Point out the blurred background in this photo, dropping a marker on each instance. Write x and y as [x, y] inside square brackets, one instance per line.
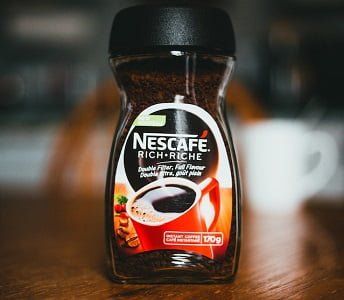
[58, 111]
[58, 103]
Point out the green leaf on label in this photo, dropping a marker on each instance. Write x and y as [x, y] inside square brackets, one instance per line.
[121, 199]
[150, 120]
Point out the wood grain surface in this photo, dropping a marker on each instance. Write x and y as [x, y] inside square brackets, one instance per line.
[53, 247]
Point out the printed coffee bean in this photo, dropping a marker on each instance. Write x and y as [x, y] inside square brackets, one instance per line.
[126, 230]
[121, 233]
[123, 222]
[132, 240]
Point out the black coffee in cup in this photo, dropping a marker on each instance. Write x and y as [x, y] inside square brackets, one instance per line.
[162, 203]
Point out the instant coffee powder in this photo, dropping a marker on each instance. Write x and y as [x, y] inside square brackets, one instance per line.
[173, 195]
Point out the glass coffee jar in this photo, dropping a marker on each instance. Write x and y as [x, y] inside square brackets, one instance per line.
[173, 194]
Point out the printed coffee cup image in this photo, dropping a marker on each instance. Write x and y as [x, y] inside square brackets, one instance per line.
[166, 214]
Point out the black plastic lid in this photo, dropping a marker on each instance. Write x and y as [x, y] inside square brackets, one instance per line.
[152, 28]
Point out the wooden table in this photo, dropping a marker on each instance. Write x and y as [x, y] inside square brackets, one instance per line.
[53, 247]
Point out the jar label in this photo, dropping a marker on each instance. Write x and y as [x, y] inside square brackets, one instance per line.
[173, 184]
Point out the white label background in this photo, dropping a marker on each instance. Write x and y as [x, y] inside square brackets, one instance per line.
[223, 174]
